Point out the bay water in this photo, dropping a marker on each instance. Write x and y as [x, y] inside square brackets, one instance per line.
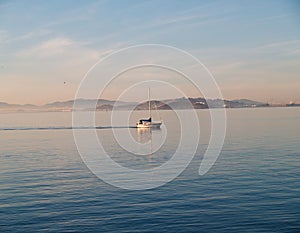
[254, 186]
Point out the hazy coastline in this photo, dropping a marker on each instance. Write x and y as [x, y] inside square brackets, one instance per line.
[108, 105]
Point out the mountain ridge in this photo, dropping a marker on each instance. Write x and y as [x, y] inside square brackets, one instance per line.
[108, 105]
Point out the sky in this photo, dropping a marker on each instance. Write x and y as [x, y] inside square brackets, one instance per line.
[252, 48]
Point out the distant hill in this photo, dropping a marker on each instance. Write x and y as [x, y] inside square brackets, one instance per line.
[108, 105]
[6, 105]
[17, 107]
[80, 103]
[155, 104]
[187, 103]
[104, 107]
[250, 103]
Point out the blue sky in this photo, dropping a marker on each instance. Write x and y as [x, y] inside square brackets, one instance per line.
[251, 47]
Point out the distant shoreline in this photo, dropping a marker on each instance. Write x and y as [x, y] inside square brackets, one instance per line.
[109, 105]
[2, 111]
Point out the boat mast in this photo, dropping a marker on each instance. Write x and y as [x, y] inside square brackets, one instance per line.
[149, 102]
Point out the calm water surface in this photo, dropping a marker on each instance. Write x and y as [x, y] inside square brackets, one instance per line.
[253, 187]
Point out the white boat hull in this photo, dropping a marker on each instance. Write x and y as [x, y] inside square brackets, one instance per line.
[149, 125]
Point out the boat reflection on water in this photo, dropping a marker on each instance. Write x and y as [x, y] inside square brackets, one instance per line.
[145, 136]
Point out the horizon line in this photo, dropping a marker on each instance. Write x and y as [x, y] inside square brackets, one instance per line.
[67, 100]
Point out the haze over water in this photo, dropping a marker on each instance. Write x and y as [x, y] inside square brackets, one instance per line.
[253, 187]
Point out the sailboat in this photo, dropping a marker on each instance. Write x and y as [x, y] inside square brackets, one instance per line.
[148, 123]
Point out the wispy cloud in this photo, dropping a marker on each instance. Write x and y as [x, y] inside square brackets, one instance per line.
[279, 44]
[33, 34]
[176, 20]
[65, 52]
[48, 48]
[287, 48]
[7, 38]
[83, 13]
[273, 18]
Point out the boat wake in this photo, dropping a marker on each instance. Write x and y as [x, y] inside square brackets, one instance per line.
[64, 128]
